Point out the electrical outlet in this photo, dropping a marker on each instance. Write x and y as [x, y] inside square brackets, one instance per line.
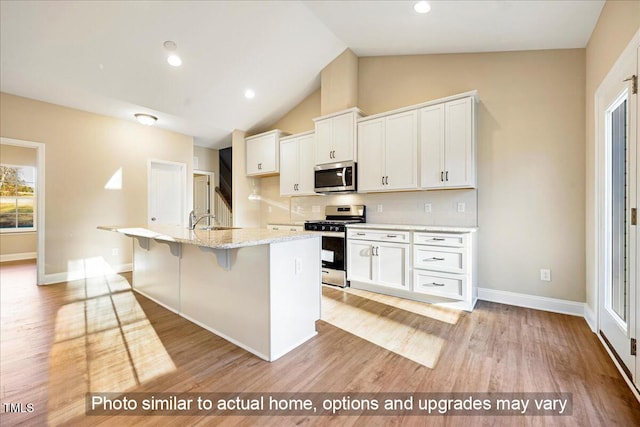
[545, 275]
[427, 207]
[379, 208]
[115, 252]
[461, 207]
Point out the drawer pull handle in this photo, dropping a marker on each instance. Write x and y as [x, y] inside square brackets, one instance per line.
[391, 236]
[438, 239]
[360, 234]
[437, 284]
[433, 259]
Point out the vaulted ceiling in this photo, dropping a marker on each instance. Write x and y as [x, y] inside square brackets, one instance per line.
[108, 57]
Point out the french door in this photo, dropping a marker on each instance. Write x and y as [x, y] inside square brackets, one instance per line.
[617, 104]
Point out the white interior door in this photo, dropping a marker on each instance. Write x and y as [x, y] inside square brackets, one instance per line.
[201, 195]
[618, 278]
[167, 193]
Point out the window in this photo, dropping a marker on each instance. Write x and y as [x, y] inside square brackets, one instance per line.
[17, 198]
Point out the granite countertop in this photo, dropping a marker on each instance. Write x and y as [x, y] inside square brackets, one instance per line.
[217, 239]
[407, 227]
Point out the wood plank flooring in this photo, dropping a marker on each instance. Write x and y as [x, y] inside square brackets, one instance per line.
[61, 341]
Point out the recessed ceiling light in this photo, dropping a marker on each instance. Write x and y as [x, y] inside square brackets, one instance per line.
[146, 119]
[249, 94]
[174, 60]
[422, 7]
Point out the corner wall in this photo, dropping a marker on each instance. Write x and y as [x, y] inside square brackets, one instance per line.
[83, 151]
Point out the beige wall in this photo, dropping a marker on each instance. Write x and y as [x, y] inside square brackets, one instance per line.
[618, 23]
[246, 209]
[20, 244]
[208, 159]
[300, 118]
[339, 83]
[83, 151]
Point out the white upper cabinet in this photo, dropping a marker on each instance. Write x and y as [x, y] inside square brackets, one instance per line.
[336, 137]
[388, 153]
[448, 144]
[262, 153]
[297, 159]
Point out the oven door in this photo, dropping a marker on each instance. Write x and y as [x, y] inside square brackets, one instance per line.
[333, 250]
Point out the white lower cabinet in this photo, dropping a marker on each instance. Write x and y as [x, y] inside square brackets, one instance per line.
[379, 262]
[434, 267]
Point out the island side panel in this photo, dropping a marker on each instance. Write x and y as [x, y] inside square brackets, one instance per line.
[233, 304]
[295, 293]
[156, 271]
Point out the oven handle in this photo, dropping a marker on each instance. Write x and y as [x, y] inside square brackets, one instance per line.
[329, 233]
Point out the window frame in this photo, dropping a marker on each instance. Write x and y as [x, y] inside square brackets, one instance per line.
[34, 228]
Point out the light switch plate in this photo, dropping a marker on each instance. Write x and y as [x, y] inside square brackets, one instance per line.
[379, 208]
[545, 275]
[461, 207]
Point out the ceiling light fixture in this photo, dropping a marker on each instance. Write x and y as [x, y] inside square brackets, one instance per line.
[173, 59]
[145, 119]
[249, 94]
[422, 7]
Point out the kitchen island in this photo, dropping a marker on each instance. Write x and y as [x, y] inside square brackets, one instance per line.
[257, 288]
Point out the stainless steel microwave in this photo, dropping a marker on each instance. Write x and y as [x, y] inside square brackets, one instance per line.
[335, 178]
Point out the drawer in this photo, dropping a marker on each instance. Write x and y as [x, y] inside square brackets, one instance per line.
[440, 239]
[379, 235]
[447, 286]
[281, 227]
[440, 259]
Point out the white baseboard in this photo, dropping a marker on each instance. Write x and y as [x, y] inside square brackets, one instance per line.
[590, 318]
[533, 301]
[18, 257]
[68, 276]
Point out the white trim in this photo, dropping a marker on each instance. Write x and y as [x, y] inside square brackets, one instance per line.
[40, 200]
[554, 305]
[18, 256]
[67, 276]
[634, 390]
[590, 318]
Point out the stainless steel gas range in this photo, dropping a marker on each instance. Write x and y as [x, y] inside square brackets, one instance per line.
[334, 242]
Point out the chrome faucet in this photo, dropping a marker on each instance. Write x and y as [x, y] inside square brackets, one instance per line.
[193, 220]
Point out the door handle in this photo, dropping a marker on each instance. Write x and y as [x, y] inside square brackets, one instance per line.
[259, 165]
[383, 180]
[441, 176]
[386, 180]
[446, 176]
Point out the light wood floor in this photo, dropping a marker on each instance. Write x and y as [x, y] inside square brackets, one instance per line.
[59, 342]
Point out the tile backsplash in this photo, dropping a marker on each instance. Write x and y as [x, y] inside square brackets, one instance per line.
[383, 208]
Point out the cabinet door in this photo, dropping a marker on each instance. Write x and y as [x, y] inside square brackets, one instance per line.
[432, 146]
[324, 146]
[401, 151]
[306, 162]
[289, 167]
[370, 153]
[458, 148]
[262, 155]
[253, 156]
[343, 134]
[391, 265]
[359, 260]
